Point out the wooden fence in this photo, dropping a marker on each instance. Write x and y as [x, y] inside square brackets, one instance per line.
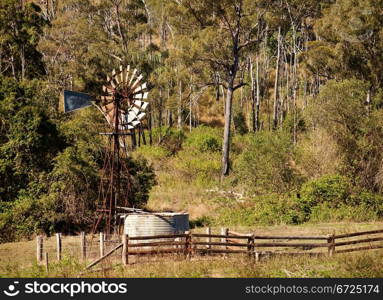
[227, 242]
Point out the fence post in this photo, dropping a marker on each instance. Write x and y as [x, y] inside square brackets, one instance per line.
[83, 245]
[191, 248]
[187, 244]
[331, 244]
[256, 254]
[208, 239]
[58, 246]
[39, 249]
[250, 246]
[125, 250]
[46, 262]
[101, 244]
[224, 231]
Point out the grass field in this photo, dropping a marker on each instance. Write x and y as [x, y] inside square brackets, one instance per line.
[18, 259]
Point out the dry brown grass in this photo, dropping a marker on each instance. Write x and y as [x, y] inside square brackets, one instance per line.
[18, 259]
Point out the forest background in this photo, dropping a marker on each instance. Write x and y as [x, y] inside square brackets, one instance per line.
[261, 112]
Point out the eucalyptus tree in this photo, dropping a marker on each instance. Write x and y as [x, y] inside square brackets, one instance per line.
[88, 38]
[21, 26]
[214, 36]
[349, 43]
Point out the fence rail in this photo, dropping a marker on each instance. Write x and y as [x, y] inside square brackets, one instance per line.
[228, 242]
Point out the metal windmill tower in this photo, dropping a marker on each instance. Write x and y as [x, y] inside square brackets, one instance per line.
[123, 108]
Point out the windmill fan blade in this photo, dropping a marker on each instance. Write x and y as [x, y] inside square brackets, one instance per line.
[140, 104]
[114, 85]
[140, 88]
[137, 81]
[122, 74]
[141, 95]
[131, 117]
[141, 115]
[144, 106]
[107, 98]
[107, 89]
[125, 86]
[133, 75]
[127, 74]
[135, 110]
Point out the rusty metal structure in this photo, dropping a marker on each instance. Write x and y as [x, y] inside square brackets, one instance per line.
[123, 106]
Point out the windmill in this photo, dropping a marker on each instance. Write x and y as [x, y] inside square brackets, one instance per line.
[123, 106]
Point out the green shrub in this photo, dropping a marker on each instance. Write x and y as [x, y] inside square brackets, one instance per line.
[340, 109]
[204, 138]
[240, 125]
[332, 198]
[264, 210]
[317, 154]
[331, 189]
[374, 202]
[324, 212]
[143, 179]
[265, 165]
[200, 222]
[203, 167]
[169, 138]
[154, 154]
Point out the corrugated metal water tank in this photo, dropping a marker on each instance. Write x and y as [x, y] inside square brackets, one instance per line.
[147, 224]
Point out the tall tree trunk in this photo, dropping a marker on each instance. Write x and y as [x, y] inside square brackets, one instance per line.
[368, 100]
[258, 103]
[150, 122]
[295, 87]
[226, 134]
[253, 100]
[22, 59]
[179, 108]
[119, 27]
[190, 109]
[160, 117]
[228, 111]
[276, 84]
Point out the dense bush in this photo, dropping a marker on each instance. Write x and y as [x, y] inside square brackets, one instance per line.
[156, 155]
[266, 163]
[49, 174]
[169, 138]
[199, 161]
[359, 213]
[142, 178]
[240, 125]
[332, 189]
[333, 198]
[204, 139]
[340, 109]
[200, 167]
[263, 210]
[317, 154]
